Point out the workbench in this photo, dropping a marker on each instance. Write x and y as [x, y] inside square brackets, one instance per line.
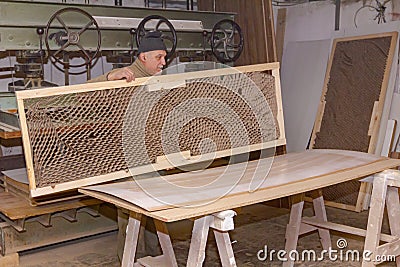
[290, 174]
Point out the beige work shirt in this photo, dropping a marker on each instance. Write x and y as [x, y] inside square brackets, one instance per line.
[137, 67]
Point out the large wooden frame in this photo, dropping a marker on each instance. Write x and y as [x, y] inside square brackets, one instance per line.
[375, 119]
[159, 82]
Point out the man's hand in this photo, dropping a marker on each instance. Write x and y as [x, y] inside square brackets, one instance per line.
[119, 74]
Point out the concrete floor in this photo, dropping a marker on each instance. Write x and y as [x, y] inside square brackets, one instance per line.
[256, 226]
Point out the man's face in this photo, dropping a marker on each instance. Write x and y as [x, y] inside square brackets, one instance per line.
[154, 61]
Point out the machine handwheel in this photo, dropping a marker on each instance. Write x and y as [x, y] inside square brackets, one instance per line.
[161, 24]
[71, 36]
[227, 41]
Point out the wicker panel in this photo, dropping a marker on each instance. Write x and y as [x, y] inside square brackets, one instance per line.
[80, 135]
[355, 82]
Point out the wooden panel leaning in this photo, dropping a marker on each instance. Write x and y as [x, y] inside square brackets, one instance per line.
[84, 134]
[352, 105]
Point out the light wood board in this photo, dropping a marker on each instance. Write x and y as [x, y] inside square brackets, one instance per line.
[15, 207]
[290, 174]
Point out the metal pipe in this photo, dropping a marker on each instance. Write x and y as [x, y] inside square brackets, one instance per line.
[66, 69]
[6, 76]
[337, 15]
[6, 69]
[88, 74]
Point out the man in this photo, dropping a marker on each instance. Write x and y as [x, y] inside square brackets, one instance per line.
[150, 61]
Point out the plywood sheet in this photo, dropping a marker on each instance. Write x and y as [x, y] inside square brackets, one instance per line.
[18, 175]
[15, 207]
[198, 188]
[293, 173]
[303, 69]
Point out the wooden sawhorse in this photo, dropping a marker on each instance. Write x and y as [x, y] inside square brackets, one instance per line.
[384, 193]
[290, 174]
[221, 223]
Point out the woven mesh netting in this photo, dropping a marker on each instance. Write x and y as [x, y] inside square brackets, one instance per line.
[81, 135]
[355, 83]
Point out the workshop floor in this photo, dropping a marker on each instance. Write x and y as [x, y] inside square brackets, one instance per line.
[255, 227]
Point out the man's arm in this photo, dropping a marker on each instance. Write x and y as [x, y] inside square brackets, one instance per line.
[117, 74]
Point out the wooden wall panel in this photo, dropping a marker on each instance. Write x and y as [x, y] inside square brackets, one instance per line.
[256, 22]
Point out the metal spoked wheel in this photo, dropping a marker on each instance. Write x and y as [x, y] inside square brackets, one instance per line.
[161, 24]
[69, 37]
[227, 41]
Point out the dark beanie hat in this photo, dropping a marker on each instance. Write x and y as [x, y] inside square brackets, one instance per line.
[151, 41]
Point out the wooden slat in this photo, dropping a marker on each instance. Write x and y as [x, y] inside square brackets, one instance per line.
[149, 261]
[375, 216]
[26, 144]
[269, 27]
[8, 128]
[225, 250]
[15, 207]
[150, 168]
[320, 215]
[344, 229]
[334, 204]
[171, 78]
[294, 227]
[389, 138]
[166, 244]
[279, 116]
[197, 249]
[389, 249]
[10, 135]
[131, 240]
[384, 86]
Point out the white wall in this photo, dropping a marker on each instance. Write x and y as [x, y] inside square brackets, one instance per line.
[307, 24]
[316, 20]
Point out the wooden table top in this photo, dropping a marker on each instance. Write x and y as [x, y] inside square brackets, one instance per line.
[198, 193]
